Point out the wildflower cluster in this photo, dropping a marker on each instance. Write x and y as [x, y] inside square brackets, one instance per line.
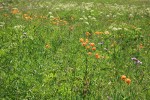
[19, 27]
[2, 24]
[58, 21]
[127, 80]
[27, 17]
[89, 46]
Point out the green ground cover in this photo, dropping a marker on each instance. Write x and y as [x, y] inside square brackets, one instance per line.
[74, 50]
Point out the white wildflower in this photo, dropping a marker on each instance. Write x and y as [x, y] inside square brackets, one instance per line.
[114, 16]
[115, 29]
[106, 32]
[86, 23]
[125, 29]
[89, 16]
[51, 17]
[107, 15]
[93, 18]
[119, 28]
[131, 16]
[92, 11]
[57, 8]
[80, 18]
[85, 17]
[101, 12]
[50, 13]
[19, 27]
[17, 16]
[138, 29]
[24, 33]
[2, 24]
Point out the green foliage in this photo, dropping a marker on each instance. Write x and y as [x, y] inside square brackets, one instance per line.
[42, 58]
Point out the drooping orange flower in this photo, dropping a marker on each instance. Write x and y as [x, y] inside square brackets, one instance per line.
[89, 53]
[86, 40]
[84, 44]
[141, 46]
[55, 23]
[97, 56]
[25, 15]
[81, 40]
[92, 44]
[47, 46]
[71, 28]
[94, 48]
[87, 33]
[5, 15]
[65, 23]
[14, 11]
[123, 77]
[28, 18]
[128, 81]
[56, 18]
[98, 33]
[87, 47]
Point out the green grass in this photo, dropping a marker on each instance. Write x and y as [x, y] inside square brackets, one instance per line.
[42, 58]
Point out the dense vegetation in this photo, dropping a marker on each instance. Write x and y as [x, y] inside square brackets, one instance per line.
[68, 50]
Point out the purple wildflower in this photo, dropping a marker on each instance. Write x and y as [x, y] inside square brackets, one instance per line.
[136, 60]
[101, 43]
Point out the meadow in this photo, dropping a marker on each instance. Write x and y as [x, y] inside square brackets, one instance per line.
[74, 50]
